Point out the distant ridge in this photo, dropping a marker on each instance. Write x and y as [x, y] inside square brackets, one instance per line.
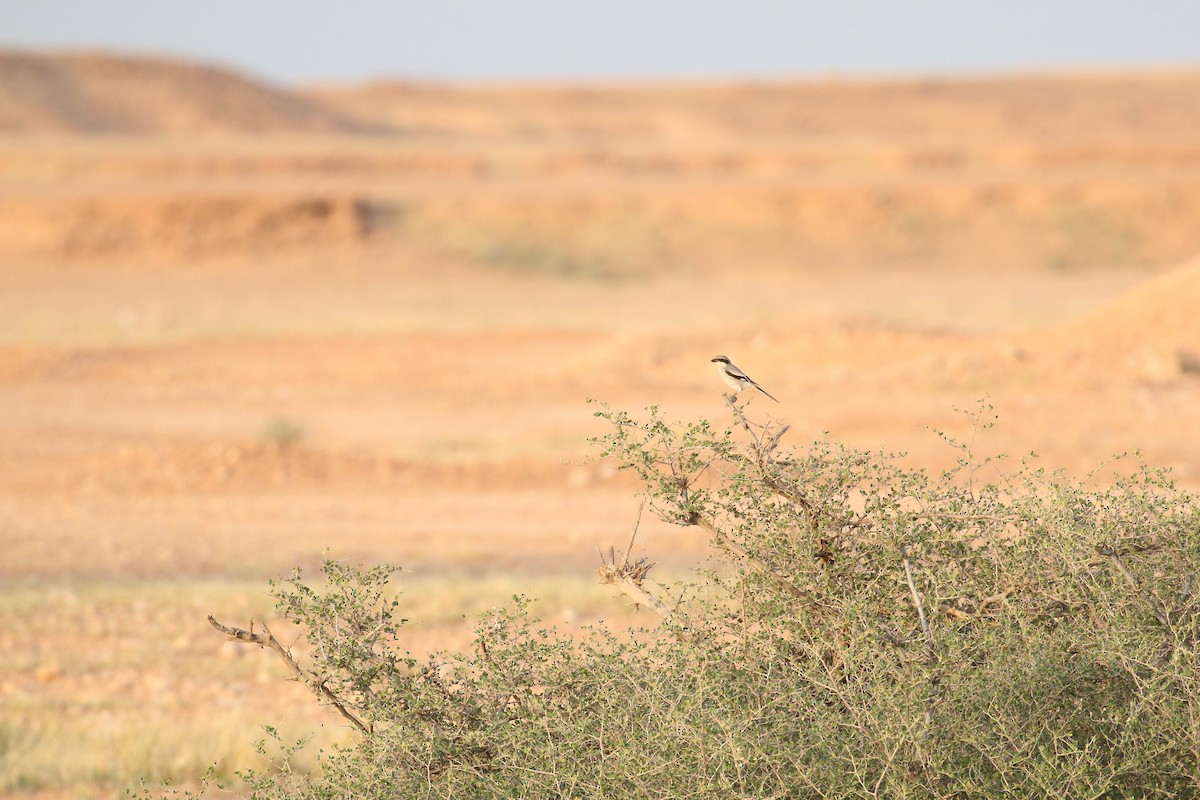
[95, 92]
[1060, 108]
[102, 93]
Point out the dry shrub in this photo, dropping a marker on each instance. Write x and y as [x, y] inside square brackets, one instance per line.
[864, 629]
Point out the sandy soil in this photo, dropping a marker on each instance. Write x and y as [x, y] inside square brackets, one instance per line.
[453, 447]
[223, 356]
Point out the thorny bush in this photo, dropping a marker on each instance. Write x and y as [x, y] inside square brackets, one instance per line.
[864, 629]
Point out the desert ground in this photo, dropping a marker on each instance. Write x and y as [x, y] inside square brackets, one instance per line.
[245, 327]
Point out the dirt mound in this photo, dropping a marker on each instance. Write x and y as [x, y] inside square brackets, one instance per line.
[1162, 311]
[1151, 331]
[94, 93]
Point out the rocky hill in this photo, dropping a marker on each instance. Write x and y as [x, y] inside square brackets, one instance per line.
[96, 93]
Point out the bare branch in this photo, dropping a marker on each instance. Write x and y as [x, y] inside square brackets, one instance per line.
[954, 517]
[935, 680]
[912, 587]
[792, 494]
[731, 401]
[629, 576]
[771, 444]
[733, 547]
[636, 525]
[267, 639]
[1115, 557]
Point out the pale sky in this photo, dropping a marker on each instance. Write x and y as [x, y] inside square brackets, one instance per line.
[347, 40]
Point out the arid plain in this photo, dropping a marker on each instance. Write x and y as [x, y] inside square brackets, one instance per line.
[244, 327]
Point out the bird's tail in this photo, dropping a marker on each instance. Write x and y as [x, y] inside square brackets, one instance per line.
[764, 391]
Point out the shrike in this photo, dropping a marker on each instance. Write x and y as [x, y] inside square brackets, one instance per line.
[734, 378]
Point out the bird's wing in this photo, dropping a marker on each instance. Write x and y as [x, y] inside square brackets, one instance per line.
[737, 374]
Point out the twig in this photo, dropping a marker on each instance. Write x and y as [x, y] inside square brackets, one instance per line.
[935, 680]
[912, 587]
[730, 400]
[636, 525]
[964, 517]
[267, 639]
[795, 495]
[1113, 556]
[733, 547]
[772, 443]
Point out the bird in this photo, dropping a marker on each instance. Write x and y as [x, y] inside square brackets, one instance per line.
[736, 379]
